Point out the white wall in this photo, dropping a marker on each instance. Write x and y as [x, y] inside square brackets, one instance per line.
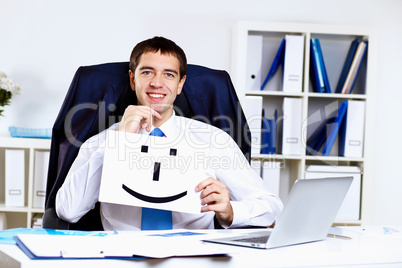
[43, 42]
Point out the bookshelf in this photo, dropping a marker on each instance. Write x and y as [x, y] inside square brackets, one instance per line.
[335, 42]
[21, 216]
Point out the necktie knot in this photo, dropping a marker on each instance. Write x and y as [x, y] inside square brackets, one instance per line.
[157, 132]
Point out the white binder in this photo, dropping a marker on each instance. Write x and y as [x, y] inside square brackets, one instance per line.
[292, 125]
[40, 178]
[350, 208]
[293, 66]
[271, 175]
[254, 62]
[15, 178]
[352, 143]
[252, 108]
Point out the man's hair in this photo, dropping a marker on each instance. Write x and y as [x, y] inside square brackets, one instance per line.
[155, 44]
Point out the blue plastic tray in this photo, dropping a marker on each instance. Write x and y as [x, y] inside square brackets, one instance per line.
[41, 133]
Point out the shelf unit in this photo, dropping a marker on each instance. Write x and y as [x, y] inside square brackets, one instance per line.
[21, 216]
[335, 42]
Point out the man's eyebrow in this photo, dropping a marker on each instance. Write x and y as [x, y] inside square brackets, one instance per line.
[152, 68]
[171, 71]
[146, 68]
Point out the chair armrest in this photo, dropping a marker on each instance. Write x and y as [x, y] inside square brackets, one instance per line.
[50, 220]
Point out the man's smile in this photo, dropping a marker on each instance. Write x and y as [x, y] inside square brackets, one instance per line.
[156, 95]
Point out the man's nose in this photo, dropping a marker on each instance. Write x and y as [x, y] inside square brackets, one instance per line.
[156, 81]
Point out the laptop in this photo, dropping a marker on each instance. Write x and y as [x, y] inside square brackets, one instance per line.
[307, 216]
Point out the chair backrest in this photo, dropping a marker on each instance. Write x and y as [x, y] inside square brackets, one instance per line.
[98, 96]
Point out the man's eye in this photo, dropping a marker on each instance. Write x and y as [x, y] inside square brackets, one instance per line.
[169, 75]
[146, 72]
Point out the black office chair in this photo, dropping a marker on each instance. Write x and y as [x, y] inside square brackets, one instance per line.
[97, 98]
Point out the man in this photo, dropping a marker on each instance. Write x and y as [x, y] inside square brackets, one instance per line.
[234, 194]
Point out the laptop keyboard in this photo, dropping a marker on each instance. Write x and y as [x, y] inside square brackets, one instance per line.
[257, 239]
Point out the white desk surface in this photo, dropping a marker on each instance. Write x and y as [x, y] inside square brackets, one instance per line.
[369, 247]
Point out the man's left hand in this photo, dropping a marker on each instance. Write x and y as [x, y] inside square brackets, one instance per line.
[215, 197]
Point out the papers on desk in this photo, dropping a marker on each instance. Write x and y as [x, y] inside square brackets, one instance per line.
[125, 245]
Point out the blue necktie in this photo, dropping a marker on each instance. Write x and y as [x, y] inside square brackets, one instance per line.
[156, 219]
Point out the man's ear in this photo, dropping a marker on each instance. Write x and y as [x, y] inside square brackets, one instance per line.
[181, 84]
[132, 82]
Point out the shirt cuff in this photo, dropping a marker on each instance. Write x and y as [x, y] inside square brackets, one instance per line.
[240, 215]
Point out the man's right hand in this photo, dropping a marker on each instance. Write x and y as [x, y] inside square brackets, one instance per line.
[138, 117]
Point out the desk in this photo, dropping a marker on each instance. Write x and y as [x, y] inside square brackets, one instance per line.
[369, 247]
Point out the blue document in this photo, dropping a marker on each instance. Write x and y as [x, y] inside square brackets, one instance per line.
[278, 61]
[7, 236]
[28, 251]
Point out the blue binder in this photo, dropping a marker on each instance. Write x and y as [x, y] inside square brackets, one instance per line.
[335, 128]
[346, 65]
[268, 139]
[315, 70]
[342, 135]
[318, 138]
[318, 71]
[278, 61]
[358, 70]
[327, 87]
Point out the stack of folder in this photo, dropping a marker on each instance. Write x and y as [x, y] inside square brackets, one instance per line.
[350, 70]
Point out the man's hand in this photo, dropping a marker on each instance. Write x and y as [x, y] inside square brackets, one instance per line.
[138, 117]
[215, 197]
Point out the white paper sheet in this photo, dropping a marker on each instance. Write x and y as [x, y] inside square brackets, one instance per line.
[131, 175]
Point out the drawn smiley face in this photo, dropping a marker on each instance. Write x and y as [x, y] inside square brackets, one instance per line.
[156, 174]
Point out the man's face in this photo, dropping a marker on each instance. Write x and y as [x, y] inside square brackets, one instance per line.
[156, 81]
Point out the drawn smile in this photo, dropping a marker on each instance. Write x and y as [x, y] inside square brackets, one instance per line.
[152, 199]
[156, 173]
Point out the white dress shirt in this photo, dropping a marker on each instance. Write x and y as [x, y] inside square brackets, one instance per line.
[253, 204]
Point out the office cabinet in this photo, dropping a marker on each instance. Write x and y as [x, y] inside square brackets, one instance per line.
[29, 212]
[315, 107]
